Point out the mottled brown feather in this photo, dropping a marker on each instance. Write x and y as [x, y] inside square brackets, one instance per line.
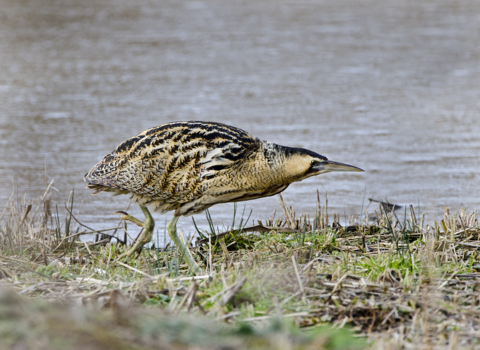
[190, 166]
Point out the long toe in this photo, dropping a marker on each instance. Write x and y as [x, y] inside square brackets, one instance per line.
[146, 234]
[128, 217]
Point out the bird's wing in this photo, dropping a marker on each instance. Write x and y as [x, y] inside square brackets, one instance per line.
[170, 161]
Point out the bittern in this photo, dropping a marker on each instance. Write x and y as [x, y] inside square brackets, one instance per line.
[190, 166]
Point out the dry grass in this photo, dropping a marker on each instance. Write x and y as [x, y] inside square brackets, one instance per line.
[398, 282]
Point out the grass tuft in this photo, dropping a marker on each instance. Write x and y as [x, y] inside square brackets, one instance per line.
[387, 281]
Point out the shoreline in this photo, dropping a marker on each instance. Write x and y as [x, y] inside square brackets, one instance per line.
[386, 283]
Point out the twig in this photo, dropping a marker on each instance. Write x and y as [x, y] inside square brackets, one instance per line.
[260, 318]
[86, 246]
[91, 229]
[233, 290]
[257, 228]
[133, 269]
[298, 276]
[282, 204]
[106, 240]
[193, 278]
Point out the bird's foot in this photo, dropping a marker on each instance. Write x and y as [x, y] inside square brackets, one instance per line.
[145, 235]
[182, 247]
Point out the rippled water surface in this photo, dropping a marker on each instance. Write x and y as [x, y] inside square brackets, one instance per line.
[390, 86]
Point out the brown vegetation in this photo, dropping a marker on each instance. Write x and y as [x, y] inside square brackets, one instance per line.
[395, 281]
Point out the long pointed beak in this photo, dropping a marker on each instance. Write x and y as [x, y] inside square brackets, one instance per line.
[329, 166]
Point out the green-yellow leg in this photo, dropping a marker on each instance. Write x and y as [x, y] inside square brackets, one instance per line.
[147, 232]
[182, 247]
[146, 237]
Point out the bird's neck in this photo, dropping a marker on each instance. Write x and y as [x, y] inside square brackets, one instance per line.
[284, 169]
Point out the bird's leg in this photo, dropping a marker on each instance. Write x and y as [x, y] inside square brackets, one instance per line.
[145, 236]
[182, 247]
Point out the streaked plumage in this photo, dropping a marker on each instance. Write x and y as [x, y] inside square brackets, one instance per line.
[190, 166]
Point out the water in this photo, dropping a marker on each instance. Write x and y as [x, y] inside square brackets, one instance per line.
[390, 86]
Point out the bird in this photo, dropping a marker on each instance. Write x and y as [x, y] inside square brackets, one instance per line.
[189, 166]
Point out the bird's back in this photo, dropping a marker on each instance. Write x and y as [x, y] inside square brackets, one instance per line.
[174, 163]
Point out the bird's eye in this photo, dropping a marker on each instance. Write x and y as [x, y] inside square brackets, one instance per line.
[313, 162]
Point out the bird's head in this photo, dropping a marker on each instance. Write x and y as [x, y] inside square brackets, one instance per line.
[301, 163]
